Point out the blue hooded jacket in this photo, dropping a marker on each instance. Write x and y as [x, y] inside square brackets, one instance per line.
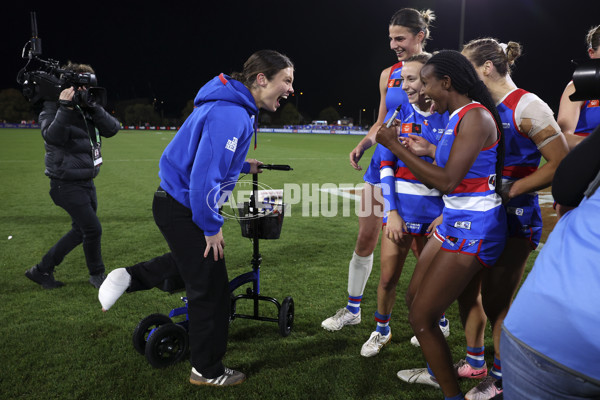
[199, 168]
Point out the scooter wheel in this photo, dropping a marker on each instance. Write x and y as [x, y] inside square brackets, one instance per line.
[145, 327]
[167, 345]
[286, 316]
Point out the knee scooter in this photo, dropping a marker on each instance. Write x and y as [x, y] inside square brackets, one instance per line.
[164, 342]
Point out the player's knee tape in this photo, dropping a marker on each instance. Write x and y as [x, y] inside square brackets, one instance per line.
[358, 273]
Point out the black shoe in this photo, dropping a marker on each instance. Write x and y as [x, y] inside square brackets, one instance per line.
[97, 279]
[45, 279]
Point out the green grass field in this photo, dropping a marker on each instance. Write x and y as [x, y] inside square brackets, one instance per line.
[58, 344]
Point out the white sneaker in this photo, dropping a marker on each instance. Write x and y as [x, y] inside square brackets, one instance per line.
[418, 375]
[445, 330]
[342, 317]
[375, 343]
[115, 284]
[229, 378]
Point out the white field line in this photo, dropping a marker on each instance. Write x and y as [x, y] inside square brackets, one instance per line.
[343, 192]
[545, 200]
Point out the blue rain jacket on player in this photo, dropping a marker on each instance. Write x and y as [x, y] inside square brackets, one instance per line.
[200, 166]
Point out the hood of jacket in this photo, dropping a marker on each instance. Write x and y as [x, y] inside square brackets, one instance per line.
[224, 88]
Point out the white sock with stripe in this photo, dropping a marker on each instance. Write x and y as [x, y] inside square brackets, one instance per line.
[359, 270]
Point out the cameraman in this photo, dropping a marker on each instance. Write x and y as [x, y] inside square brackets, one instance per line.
[71, 128]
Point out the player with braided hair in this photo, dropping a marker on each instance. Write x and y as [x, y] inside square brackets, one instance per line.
[412, 209]
[531, 132]
[469, 157]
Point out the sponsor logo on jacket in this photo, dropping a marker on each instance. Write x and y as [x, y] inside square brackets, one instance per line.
[232, 144]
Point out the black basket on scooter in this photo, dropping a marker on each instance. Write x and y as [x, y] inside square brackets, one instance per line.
[266, 219]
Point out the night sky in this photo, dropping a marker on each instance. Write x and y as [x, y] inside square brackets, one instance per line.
[168, 50]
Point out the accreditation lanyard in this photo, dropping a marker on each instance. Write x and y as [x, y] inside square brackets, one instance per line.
[96, 155]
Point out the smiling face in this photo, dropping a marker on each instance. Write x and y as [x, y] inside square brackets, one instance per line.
[270, 92]
[404, 43]
[434, 88]
[411, 81]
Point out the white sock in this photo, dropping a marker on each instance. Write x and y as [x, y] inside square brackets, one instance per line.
[359, 270]
[115, 284]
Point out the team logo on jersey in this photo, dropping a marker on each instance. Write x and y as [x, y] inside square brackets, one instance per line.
[593, 103]
[515, 210]
[394, 83]
[451, 240]
[411, 128]
[232, 144]
[463, 225]
[492, 182]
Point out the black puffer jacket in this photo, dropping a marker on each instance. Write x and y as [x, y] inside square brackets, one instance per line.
[67, 139]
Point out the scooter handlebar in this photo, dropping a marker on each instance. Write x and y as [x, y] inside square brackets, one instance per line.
[277, 167]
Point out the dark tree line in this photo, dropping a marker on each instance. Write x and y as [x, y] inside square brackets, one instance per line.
[14, 108]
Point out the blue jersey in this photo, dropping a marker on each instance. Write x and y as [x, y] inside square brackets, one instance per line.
[414, 201]
[473, 210]
[521, 159]
[521, 155]
[394, 97]
[589, 117]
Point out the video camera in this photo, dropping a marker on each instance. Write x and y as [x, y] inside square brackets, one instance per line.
[586, 79]
[44, 79]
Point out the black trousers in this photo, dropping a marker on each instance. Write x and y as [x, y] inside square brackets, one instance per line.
[79, 200]
[206, 282]
[160, 272]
